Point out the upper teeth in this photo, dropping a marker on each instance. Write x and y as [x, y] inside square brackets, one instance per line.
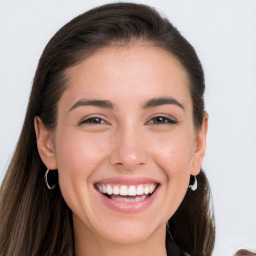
[124, 190]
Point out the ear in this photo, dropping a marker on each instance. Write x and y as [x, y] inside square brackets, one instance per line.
[200, 147]
[45, 145]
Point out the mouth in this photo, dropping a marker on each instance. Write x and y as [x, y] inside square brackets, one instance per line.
[127, 193]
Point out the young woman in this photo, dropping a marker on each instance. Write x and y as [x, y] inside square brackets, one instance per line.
[109, 158]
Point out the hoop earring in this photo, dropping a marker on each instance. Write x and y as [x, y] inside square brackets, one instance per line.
[193, 186]
[49, 180]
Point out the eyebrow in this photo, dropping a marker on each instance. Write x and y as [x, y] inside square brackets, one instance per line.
[155, 102]
[98, 103]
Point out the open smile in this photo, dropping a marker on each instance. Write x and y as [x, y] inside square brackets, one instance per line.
[124, 193]
[127, 198]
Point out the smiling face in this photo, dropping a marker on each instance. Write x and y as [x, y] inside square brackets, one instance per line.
[125, 143]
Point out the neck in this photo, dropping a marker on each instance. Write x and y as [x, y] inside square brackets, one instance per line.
[87, 244]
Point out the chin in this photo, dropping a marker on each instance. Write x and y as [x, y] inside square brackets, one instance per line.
[130, 233]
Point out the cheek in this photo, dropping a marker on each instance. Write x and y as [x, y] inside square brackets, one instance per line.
[174, 157]
[175, 160]
[78, 156]
[175, 153]
[79, 152]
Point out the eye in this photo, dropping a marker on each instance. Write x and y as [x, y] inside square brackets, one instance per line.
[162, 120]
[94, 121]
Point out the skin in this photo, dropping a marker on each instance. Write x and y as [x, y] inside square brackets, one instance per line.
[126, 140]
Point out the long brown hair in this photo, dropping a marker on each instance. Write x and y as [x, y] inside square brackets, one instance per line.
[36, 221]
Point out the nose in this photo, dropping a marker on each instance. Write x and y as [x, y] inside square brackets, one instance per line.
[129, 149]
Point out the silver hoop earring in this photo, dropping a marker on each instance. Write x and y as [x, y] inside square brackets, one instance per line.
[50, 181]
[193, 186]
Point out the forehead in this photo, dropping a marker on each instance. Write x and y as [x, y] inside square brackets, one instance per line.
[139, 69]
[140, 55]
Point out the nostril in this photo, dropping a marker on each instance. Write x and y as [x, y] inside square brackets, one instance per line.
[127, 160]
[128, 149]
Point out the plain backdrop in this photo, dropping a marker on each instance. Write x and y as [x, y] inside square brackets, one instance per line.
[224, 36]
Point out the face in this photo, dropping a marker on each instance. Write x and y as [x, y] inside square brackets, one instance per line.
[125, 144]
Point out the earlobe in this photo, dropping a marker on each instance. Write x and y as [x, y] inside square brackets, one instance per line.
[200, 147]
[45, 144]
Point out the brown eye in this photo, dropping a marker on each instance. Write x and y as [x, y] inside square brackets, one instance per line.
[93, 120]
[162, 120]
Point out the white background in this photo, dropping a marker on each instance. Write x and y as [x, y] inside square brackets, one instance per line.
[224, 36]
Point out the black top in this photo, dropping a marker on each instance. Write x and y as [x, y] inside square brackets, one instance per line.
[173, 249]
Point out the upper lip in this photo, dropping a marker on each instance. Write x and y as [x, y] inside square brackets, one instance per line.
[127, 180]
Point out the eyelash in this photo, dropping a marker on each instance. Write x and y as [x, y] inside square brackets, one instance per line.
[162, 120]
[94, 121]
[157, 120]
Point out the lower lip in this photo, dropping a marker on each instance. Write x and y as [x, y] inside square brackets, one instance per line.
[128, 207]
